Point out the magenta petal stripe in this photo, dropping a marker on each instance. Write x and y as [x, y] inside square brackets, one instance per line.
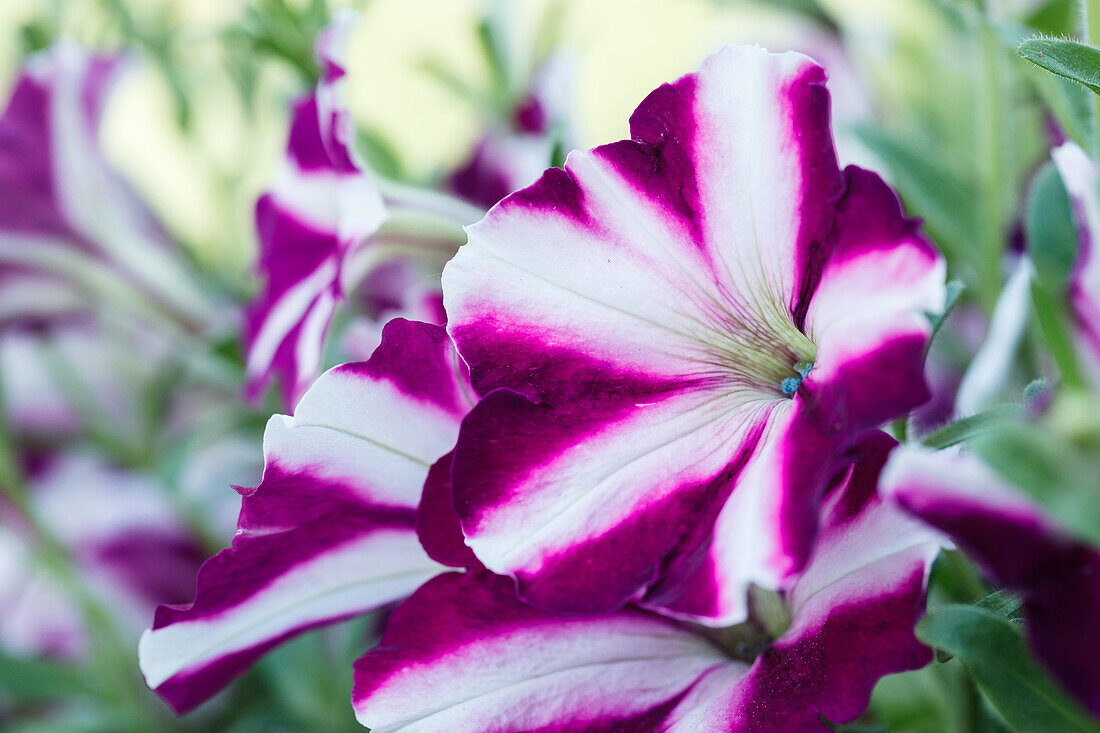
[1018, 548]
[678, 324]
[330, 532]
[437, 524]
[67, 218]
[319, 207]
[464, 654]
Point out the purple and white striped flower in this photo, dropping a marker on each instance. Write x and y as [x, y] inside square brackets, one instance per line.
[325, 230]
[1017, 548]
[1082, 180]
[676, 337]
[464, 654]
[513, 153]
[330, 532]
[320, 206]
[70, 226]
[124, 536]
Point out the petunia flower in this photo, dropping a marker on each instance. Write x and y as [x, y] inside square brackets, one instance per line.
[325, 226]
[70, 227]
[676, 337]
[124, 537]
[1082, 181]
[513, 153]
[464, 654]
[1017, 548]
[330, 532]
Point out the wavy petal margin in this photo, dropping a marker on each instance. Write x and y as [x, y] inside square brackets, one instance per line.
[320, 206]
[1018, 548]
[464, 654]
[330, 532]
[634, 319]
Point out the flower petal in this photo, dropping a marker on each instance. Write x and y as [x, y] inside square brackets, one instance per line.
[854, 610]
[437, 524]
[330, 531]
[65, 214]
[1018, 549]
[491, 663]
[868, 313]
[649, 301]
[583, 503]
[648, 254]
[1082, 180]
[321, 204]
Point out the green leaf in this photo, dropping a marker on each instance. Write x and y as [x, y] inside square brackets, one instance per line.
[38, 679]
[1051, 236]
[1052, 313]
[1046, 467]
[1054, 17]
[1066, 58]
[993, 653]
[973, 426]
[1002, 603]
[953, 290]
[944, 200]
[378, 153]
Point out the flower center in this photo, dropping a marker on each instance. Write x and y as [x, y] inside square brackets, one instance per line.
[761, 352]
[769, 618]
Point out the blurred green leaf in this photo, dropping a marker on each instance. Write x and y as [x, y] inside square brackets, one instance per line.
[493, 40]
[993, 652]
[930, 190]
[954, 290]
[1051, 236]
[1053, 317]
[933, 699]
[1054, 17]
[378, 153]
[39, 679]
[276, 29]
[33, 37]
[970, 427]
[954, 579]
[1043, 464]
[1066, 58]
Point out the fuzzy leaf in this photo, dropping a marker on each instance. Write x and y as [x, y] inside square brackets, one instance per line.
[1066, 58]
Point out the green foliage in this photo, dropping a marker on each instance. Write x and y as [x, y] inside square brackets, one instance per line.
[971, 427]
[1054, 18]
[285, 31]
[1051, 235]
[932, 191]
[1066, 58]
[32, 679]
[1045, 464]
[953, 291]
[992, 651]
